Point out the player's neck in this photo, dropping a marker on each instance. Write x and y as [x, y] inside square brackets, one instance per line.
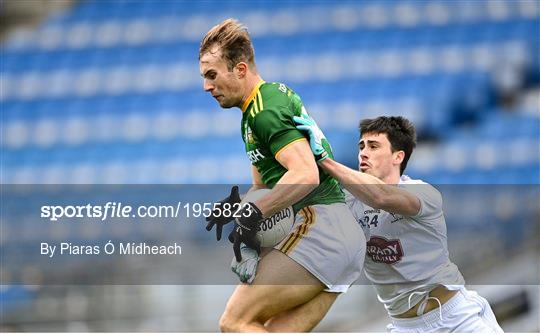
[392, 178]
[252, 80]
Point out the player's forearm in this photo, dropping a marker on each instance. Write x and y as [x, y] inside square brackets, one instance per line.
[367, 188]
[291, 188]
[373, 191]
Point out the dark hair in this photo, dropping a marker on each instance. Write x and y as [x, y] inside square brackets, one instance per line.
[399, 130]
[233, 40]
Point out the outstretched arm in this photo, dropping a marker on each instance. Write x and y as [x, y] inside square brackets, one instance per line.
[368, 189]
[373, 191]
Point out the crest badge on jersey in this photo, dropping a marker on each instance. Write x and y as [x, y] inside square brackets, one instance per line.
[248, 136]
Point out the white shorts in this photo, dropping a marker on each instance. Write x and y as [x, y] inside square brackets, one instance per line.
[327, 241]
[466, 312]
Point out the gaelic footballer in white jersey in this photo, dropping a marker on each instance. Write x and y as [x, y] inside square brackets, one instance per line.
[407, 257]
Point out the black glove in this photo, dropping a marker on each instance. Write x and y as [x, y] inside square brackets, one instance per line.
[218, 218]
[245, 229]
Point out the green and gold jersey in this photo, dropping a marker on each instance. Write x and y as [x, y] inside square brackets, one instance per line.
[268, 128]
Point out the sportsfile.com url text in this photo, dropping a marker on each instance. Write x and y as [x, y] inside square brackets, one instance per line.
[112, 210]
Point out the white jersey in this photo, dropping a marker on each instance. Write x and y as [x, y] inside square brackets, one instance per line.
[406, 257]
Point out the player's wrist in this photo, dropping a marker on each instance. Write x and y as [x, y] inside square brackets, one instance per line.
[250, 217]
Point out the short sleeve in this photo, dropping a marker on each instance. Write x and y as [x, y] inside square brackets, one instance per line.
[276, 129]
[430, 200]
[356, 207]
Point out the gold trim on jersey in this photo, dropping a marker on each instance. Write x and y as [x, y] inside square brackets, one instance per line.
[252, 96]
[294, 238]
[284, 147]
[259, 98]
[257, 105]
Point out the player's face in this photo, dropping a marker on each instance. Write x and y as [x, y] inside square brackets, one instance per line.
[223, 84]
[375, 155]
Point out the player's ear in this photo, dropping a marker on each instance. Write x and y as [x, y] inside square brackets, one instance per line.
[398, 157]
[240, 70]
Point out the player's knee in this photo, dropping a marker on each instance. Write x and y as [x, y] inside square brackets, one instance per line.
[229, 323]
[225, 324]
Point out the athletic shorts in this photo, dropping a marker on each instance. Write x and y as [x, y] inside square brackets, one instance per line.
[466, 312]
[328, 242]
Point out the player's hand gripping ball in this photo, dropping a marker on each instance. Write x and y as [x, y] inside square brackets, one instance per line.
[253, 230]
[272, 229]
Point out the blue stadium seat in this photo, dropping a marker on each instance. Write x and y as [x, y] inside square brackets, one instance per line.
[442, 100]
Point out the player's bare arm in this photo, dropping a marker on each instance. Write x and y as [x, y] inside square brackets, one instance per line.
[257, 180]
[380, 171]
[301, 178]
[372, 190]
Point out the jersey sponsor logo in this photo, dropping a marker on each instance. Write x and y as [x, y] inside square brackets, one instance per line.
[255, 155]
[382, 250]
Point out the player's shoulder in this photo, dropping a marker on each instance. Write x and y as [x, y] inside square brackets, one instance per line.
[348, 196]
[420, 187]
[405, 179]
[273, 101]
[274, 88]
[276, 93]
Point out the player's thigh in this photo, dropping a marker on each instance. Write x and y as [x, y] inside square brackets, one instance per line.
[281, 284]
[305, 317]
[277, 268]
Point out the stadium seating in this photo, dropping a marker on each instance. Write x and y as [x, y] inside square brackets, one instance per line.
[104, 80]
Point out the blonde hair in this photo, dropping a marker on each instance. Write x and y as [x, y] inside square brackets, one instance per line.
[233, 40]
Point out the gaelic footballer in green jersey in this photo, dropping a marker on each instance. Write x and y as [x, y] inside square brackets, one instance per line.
[324, 251]
[268, 127]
